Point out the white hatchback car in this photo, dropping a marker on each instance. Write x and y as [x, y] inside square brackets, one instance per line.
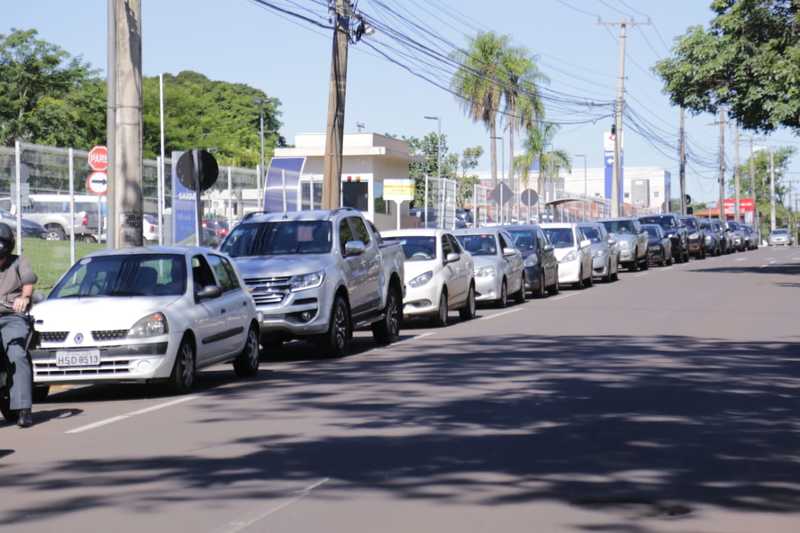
[574, 253]
[143, 315]
[439, 275]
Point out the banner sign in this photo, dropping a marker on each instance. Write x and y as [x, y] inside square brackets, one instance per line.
[184, 209]
[398, 189]
[282, 184]
[746, 205]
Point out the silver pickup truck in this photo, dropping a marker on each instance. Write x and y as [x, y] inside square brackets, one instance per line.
[319, 275]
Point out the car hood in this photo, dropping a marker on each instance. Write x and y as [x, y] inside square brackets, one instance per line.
[625, 237]
[561, 253]
[412, 269]
[282, 265]
[80, 314]
[485, 260]
[653, 240]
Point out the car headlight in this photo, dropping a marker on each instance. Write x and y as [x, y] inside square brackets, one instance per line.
[150, 326]
[485, 272]
[306, 281]
[671, 235]
[571, 256]
[624, 245]
[422, 279]
[600, 253]
[694, 235]
[532, 260]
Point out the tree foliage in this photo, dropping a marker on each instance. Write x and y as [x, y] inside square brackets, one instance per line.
[782, 158]
[748, 60]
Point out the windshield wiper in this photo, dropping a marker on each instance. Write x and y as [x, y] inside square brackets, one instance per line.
[124, 293]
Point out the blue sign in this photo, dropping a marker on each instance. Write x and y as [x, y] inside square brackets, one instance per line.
[608, 158]
[184, 209]
[283, 184]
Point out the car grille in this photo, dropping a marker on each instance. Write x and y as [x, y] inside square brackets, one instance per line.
[109, 334]
[268, 290]
[47, 368]
[53, 336]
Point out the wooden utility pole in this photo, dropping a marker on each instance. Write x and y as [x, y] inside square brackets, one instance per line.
[334, 137]
[125, 207]
[736, 212]
[682, 156]
[722, 165]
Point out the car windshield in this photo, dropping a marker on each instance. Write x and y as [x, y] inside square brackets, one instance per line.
[652, 232]
[279, 238]
[560, 237]
[780, 232]
[124, 275]
[593, 234]
[690, 223]
[619, 226]
[734, 226]
[484, 244]
[417, 248]
[664, 222]
[524, 240]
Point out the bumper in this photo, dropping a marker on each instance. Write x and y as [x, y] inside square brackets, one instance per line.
[300, 314]
[532, 277]
[695, 247]
[422, 301]
[487, 289]
[656, 252]
[600, 266]
[569, 272]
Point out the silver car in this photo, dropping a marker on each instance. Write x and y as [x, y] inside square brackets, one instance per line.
[574, 254]
[632, 242]
[780, 237]
[499, 267]
[605, 253]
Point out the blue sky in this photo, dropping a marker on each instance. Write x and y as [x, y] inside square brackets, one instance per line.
[235, 40]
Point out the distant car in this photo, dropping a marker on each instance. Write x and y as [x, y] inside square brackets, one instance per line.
[605, 254]
[419, 213]
[541, 265]
[659, 246]
[675, 230]
[631, 240]
[739, 236]
[574, 253]
[464, 218]
[144, 315]
[219, 227]
[499, 267]
[30, 229]
[439, 275]
[711, 237]
[52, 211]
[696, 236]
[780, 237]
[751, 236]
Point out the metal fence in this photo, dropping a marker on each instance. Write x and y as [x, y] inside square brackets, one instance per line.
[440, 203]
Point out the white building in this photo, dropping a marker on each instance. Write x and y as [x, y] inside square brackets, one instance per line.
[643, 187]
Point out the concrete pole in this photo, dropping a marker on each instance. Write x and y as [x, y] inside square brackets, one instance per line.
[736, 172]
[71, 167]
[424, 204]
[722, 165]
[616, 183]
[126, 210]
[334, 138]
[771, 190]
[752, 166]
[111, 121]
[682, 158]
[161, 166]
[261, 166]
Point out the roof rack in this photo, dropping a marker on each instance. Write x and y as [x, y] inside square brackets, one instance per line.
[340, 209]
[250, 215]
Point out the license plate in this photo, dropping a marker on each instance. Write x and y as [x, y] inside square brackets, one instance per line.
[78, 358]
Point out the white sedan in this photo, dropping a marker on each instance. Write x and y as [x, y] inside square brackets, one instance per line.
[439, 275]
[143, 315]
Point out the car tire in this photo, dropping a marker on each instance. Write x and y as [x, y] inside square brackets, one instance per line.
[336, 342]
[181, 380]
[607, 277]
[634, 266]
[443, 312]
[541, 288]
[615, 275]
[645, 264]
[387, 330]
[55, 233]
[503, 300]
[469, 310]
[40, 393]
[581, 284]
[5, 405]
[590, 279]
[556, 288]
[521, 295]
[246, 364]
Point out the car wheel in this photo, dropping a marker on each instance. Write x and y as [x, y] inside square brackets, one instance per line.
[440, 320]
[634, 267]
[607, 277]
[541, 288]
[468, 312]
[55, 233]
[590, 279]
[615, 275]
[503, 301]
[645, 264]
[581, 284]
[246, 365]
[183, 370]
[387, 330]
[556, 288]
[336, 343]
[521, 295]
[5, 405]
[40, 393]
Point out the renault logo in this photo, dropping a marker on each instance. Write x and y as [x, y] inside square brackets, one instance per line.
[79, 338]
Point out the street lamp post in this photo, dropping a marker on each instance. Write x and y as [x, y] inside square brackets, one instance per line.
[438, 157]
[502, 171]
[585, 182]
[260, 103]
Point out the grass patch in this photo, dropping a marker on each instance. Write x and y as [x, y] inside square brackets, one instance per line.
[50, 259]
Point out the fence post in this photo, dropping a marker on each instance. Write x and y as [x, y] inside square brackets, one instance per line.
[70, 155]
[230, 199]
[160, 198]
[17, 165]
[425, 203]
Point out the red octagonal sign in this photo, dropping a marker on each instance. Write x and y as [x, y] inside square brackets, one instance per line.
[98, 158]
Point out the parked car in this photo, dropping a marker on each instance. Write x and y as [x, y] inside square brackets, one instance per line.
[780, 237]
[739, 235]
[751, 236]
[724, 234]
[52, 211]
[631, 240]
[696, 236]
[218, 226]
[605, 253]
[499, 270]
[30, 229]
[320, 275]
[138, 315]
[439, 275]
[539, 258]
[659, 246]
[574, 253]
[711, 235]
[675, 230]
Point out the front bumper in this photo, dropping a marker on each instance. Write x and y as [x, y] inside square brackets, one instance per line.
[532, 274]
[656, 252]
[600, 265]
[422, 301]
[299, 314]
[695, 247]
[487, 288]
[569, 271]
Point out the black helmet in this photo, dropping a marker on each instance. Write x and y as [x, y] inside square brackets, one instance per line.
[7, 240]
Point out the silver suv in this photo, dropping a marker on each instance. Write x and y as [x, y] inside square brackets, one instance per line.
[319, 275]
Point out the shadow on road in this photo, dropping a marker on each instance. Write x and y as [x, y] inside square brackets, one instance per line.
[663, 424]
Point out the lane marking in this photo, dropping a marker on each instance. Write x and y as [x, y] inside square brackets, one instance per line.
[504, 313]
[565, 296]
[119, 418]
[741, 259]
[236, 526]
[417, 337]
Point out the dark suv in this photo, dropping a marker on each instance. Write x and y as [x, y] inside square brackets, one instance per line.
[697, 236]
[675, 230]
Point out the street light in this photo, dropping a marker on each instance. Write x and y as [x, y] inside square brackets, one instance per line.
[260, 102]
[438, 161]
[502, 170]
[585, 180]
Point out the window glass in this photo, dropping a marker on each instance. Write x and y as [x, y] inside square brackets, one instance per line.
[279, 238]
[359, 229]
[345, 234]
[483, 244]
[560, 237]
[592, 234]
[201, 273]
[453, 243]
[447, 248]
[223, 274]
[231, 273]
[417, 248]
[524, 240]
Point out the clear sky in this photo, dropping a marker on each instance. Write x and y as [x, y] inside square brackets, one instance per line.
[235, 40]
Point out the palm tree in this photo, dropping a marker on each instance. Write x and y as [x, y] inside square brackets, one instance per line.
[550, 161]
[478, 82]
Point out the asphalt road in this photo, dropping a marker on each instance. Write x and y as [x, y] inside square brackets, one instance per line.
[665, 402]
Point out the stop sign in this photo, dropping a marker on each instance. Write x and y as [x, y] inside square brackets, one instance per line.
[98, 158]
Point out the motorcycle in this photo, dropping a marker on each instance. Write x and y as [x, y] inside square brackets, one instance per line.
[7, 373]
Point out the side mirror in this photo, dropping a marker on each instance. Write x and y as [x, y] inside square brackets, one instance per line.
[585, 243]
[208, 293]
[508, 252]
[548, 248]
[612, 242]
[354, 248]
[452, 258]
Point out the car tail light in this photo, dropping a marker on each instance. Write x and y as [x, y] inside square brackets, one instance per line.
[85, 221]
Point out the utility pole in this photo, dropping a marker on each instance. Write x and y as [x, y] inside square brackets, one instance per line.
[736, 172]
[111, 106]
[619, 106]
[771, 189]
[682, 156]
[334, 137]
[125, 205]
[722, 216]
[752, 171]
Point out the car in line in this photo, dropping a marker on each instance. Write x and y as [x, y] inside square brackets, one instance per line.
[574, 253]
[30, 229]
[439, 275]
[539, 258]
[751, 236]
[780, 237]
[319, 276]
[631, 241]
[499, 267]
[659, 246]
[696, 236]
[605, 253]
[739, 235]
[712, 237]
[145, 315]
[675, 230]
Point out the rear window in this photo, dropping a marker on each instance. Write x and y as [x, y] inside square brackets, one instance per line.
[560, 237]
[484, 244]
[524, 240]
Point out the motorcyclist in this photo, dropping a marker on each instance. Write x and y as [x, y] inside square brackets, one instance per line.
[16, 289]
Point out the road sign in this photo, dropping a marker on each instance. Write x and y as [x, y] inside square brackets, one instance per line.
[529, 197]
[97, 183]
[398, 190]
[98, 159]
[688, 200]
[507, 194]
[197, 169]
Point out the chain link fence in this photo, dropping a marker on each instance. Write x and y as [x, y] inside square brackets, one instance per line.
[440, 203]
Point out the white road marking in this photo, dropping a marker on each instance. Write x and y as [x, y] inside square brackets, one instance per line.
[119, 418]
[417, 337]
[235, 527]
[504, 313]
[565, 296]
[741, 259]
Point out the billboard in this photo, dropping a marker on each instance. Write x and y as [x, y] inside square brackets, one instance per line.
[282, 184]
[184, 209]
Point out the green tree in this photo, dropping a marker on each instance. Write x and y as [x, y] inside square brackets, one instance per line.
[748, 60]
[467, 179]
[782, 158]
[538, 148]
